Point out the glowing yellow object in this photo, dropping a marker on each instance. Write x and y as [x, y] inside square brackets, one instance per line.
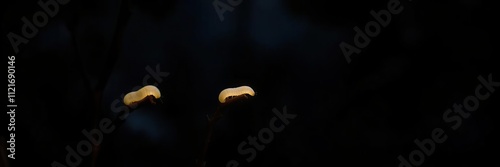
[233, 92]
[141, 94]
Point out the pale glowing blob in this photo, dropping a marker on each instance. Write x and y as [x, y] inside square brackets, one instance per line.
[141, 94]
[233, 92]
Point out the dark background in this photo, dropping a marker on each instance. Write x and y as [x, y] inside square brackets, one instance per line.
[364, 113]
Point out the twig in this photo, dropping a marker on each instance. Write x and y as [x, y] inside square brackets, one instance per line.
[115, 51]
[211, 123]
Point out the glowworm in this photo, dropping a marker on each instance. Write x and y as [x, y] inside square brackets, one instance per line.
[234, 92]
[146, 92]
